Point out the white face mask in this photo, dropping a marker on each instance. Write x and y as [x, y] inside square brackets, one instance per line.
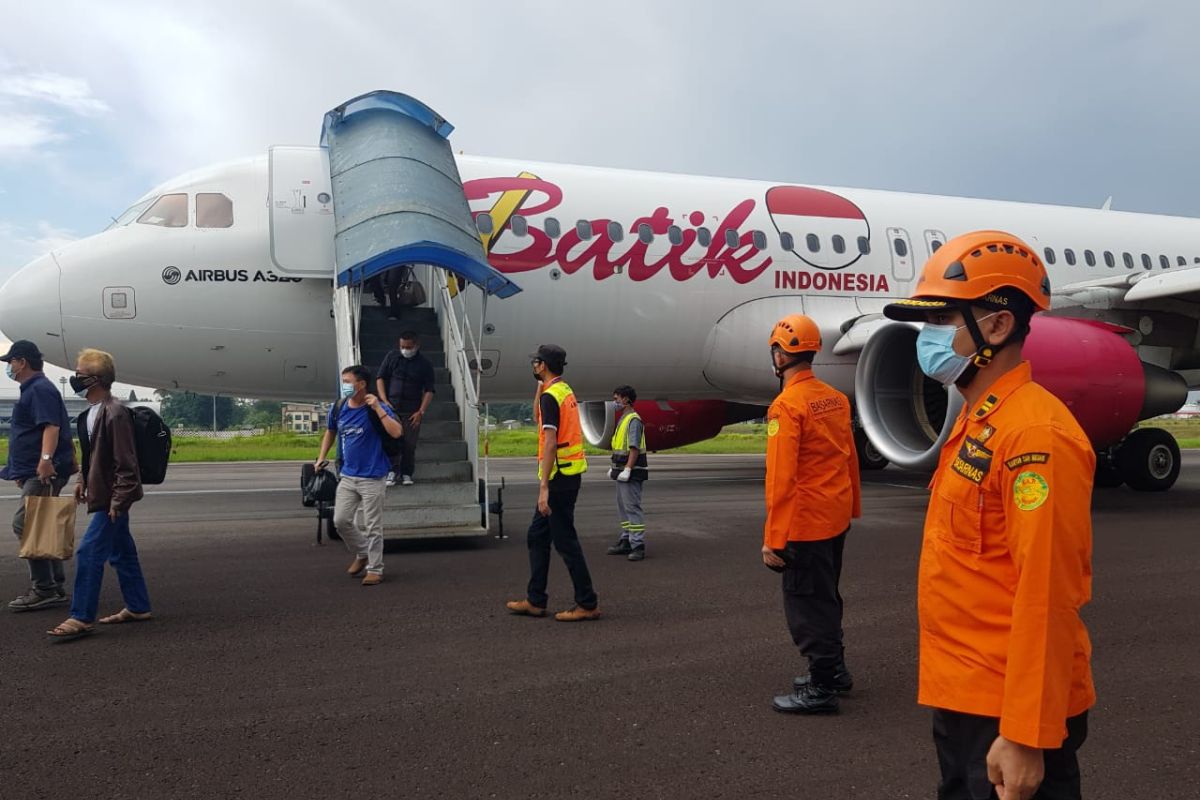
[408, 352]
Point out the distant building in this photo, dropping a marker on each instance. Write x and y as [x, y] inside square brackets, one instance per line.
[303, 417]
[75, 407]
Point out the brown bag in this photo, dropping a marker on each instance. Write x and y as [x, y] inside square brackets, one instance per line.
[49, 527]
[410, 292]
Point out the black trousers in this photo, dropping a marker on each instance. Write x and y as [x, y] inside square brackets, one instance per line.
[406, 460]
[813, 604]
[558, 529]
[963, 741]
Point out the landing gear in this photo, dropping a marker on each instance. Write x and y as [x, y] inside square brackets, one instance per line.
[1149, 460]
[868, 457]
[1108, 474]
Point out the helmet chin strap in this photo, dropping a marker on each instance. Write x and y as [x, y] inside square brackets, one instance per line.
[984, 351]
[793, 361]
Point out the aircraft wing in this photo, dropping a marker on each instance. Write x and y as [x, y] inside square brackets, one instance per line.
[1137, 288]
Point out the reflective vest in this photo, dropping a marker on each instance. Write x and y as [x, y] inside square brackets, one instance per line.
[570, 457]
[620, 447]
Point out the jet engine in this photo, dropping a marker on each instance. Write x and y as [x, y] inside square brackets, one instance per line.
[668, 425]
[1086, 364]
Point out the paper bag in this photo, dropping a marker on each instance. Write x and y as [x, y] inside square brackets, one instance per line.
[49, 527]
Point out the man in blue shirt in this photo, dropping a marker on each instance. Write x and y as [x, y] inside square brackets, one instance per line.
[358, 421]
[40, 460]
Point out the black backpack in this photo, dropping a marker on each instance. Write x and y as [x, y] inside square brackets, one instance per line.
[152, 439]
[392, 447]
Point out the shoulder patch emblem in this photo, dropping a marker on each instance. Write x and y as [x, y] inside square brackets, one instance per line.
[1027, 458]
[1030, 491]
[773, 427]
[985, 434]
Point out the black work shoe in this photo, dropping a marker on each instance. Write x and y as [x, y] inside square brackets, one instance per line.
[621, 548]
[810, 700]
[842, 681]
[638, 553]
[33, 600]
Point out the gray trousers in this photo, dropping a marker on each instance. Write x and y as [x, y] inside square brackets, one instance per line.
[629, 510]
[358, 516]
[46, 575]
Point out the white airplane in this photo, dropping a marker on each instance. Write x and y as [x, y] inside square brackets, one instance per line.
[219, 281]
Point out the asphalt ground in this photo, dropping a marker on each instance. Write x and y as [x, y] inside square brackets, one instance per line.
[268, 673]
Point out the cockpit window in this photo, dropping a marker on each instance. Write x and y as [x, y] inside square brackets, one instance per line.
[213, 210]
[168, 211]
[131, 213]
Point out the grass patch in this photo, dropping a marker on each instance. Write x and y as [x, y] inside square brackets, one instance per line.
[742, 438]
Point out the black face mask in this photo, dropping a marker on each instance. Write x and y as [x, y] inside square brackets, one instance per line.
[81, 383]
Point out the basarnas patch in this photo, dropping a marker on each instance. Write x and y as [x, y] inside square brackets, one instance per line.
[773, 427]
[1030, 491]
[1027, 458]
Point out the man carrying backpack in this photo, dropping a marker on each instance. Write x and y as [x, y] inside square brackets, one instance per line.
[109, 484]
[360, 421]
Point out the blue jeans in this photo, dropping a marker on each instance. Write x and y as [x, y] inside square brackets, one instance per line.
[107, 540]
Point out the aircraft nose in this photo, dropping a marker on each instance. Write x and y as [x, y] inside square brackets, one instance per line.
[29, 307]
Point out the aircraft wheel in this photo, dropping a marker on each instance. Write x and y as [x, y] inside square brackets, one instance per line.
[1149, 460]
[868, 457]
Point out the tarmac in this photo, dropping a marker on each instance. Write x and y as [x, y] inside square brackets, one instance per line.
[268, 673]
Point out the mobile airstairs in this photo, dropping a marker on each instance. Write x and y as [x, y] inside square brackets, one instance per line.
[395, 198]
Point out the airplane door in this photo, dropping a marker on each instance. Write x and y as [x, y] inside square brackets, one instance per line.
[301, 208]
[933, 240]
[902, 255]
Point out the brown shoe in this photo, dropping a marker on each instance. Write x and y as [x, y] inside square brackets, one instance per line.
[356, 567]
[525, 607]
[578, 614]
[372, 579]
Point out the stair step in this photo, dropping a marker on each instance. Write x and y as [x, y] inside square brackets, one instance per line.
[375, 313]
[451, 471]
[436, 533]
[375, 356]
[456, 516]
[441, 451]
[427, 492]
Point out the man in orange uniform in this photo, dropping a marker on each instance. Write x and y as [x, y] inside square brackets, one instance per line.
[812, 493]
[1006, 561]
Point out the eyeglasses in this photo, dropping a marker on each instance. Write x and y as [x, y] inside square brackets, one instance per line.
[533, 362]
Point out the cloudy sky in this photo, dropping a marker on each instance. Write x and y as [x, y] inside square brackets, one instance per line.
[1065, 102]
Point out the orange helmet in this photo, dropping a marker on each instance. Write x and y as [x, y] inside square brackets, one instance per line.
[796, 333]
[976, 266]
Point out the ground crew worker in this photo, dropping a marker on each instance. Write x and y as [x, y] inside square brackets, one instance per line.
[1006, 559]
[812, 493]
[561, 464]
[630, 470]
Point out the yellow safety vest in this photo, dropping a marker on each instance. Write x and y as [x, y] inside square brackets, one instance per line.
[619, 445]
[570, 459]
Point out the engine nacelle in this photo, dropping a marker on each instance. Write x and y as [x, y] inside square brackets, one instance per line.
[1086, 364]
[668, 425]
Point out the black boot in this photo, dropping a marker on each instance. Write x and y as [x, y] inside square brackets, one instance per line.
[842, 681]
[621, 548]
[638, 553]
[809, 700]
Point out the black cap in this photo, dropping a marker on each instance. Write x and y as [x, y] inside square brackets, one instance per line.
[554, 356]
[22, 348]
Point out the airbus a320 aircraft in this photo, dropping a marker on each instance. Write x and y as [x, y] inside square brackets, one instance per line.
[219, 281]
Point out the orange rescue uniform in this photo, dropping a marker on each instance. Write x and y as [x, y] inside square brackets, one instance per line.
[1006, 565]
[812, 466]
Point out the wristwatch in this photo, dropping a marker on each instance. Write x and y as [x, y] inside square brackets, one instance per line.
[46, 456]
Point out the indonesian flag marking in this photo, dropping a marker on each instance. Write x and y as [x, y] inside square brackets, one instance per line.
[800, 211]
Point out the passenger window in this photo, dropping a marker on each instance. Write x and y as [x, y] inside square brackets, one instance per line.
[934, 246]
[839, 244]
[1069, 256]
[1128, 259]
[814, 243]
[704, 236]
[583, 229]
[786, 241]
[519, 226]
[1089, 257]
[760, 239]
[1166, 262]
[168, 211]
[645, 233]
[1146, 262]
[1049, 255]
[675, 235]
[731, 237]
[484, 223]
[1181, 261]
[615, 232]
[213, 210]
[900, 246]
[864, 245]
[1109, 259]
[553, 229]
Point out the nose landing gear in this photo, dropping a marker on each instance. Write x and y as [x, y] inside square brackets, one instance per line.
[1147, 460]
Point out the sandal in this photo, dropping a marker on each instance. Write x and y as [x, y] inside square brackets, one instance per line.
[125, 615]
[70, 629]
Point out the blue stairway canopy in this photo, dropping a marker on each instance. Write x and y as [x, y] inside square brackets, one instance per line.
[397, 194]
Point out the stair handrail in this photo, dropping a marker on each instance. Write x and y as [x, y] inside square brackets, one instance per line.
[458, 335]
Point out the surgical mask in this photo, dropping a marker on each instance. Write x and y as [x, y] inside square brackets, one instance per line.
[347, 391]
[8, 370]
[80, 384]
[408, 352]
[935, 354]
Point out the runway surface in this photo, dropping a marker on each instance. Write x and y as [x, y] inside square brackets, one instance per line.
[269, 674]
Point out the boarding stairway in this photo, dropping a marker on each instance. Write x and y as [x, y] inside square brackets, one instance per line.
[397, 200]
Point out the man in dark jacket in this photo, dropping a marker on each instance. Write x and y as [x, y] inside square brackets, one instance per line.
[109, 485]
[405, 382]
[40, 461]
